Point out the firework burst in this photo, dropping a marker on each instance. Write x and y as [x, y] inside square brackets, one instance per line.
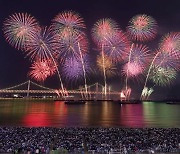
[73, 70]
[171, 43]
[68, 27]
[133, 69]
[67, 23]
[69, 47]
[162, 76]
[142, 28]
[41, 69]
[140, 54]
[18, 28]
[138, 58]
[116, 46]
[167, 60]
[110, 68]
[103, 29]
[42, 45]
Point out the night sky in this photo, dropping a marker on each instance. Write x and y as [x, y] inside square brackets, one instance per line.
[14, 67]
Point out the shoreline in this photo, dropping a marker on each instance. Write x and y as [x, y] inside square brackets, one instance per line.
[93, 100]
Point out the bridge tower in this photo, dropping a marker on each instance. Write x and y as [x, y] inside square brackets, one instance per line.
[29, 82]
[97, 90]
[109, 89]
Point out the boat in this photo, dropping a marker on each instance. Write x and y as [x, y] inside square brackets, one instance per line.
[173, 103]
[75, 102]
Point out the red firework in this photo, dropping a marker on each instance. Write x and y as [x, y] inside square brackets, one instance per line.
[41, 69]
[132, 69]
[171, 43]
[67, 23]
[142, 28]
[103, 29]
[137, 59]
[18, 28]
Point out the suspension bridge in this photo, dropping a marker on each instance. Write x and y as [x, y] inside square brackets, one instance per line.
[29, 88]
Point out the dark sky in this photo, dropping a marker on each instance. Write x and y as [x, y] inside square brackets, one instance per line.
[13, 65]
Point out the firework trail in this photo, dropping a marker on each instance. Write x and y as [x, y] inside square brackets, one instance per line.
[139, 54]
[77, 46]
[83, 67]
[104, 71]
[162, 70]
[110, 68]
[148, 73]
[167, 59]
[69, 47]
[41, 69]
[142, 28]
[128, 65]
[102, 30]
[43, 46]
[69, 26]
[147, 92]
[168, 54]
[18, 28]
[138, 59]
[107, 67]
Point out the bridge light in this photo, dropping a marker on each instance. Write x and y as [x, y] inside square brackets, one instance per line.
[15, 95]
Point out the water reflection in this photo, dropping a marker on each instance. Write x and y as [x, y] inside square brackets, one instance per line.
[132, 115]
[36, 120]
[161, 114]
[91, 114]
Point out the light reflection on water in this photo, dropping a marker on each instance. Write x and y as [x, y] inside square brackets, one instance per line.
[91, 114]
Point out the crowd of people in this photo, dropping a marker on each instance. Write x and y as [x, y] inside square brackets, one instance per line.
[91, 140]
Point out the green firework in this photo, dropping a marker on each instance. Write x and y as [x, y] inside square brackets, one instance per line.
[163, 76]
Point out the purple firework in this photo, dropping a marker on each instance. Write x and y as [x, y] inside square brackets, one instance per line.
[139, 55]
[72, 46]
[73, 69]
[116, 46]
[42, 45]
[167, 60]
[170, 42]
[142, 28]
